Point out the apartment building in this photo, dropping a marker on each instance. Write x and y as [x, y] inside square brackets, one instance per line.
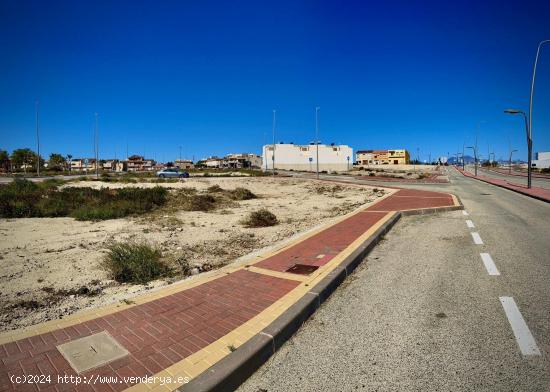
[289, 156]
[382, 157]
[137, 163]
[82, 164]
[242, 161]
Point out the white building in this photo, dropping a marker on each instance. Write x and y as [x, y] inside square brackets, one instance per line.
[542, 160]
[304, 157]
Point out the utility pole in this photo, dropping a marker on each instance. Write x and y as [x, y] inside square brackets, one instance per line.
[317, 137]
[274, 123]
[96, 137]
[37, 141]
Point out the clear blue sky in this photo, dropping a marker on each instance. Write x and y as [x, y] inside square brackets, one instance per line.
[206, 75]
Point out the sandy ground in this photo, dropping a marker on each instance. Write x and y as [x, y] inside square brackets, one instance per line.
[51, 267]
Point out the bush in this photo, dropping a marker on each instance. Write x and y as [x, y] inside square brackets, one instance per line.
[25, 199]
[260, 218]
[199, 203]
[241, 194]
[131, 262]
[214, 189]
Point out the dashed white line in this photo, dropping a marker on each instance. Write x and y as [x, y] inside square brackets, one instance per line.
[489, 264]
[464, 212]
[470, 224]
[524, 338]
[477, 238]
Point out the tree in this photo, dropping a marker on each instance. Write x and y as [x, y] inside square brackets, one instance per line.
[4, 160]
[24, 156]
[69, 159]
[56, 162]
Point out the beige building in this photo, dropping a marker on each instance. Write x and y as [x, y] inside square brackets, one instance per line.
[213, 162]
[138, 163]
[304, 157]
[184, 164]
[241, 161]
[83, 164]
[382, 157]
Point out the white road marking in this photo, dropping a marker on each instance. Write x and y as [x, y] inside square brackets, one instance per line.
[470, 224]
[477, 238]
[524, 338]
[464, 212]
[489, 264]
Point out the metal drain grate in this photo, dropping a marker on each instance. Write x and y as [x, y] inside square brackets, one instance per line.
[302, 269]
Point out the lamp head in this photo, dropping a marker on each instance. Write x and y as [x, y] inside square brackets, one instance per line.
[513, 111]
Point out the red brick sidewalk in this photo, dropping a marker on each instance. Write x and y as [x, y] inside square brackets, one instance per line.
[536, 192]
[162, 332]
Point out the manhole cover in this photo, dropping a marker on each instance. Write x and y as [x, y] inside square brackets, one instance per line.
[92, 351]
[302, 269]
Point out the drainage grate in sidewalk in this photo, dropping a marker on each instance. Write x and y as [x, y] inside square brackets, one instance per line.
[302, 269]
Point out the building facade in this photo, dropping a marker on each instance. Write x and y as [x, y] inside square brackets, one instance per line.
[542, 160]
[242, 161]
[184, 164]
[382, 157]
[137, 163]
[288, 156]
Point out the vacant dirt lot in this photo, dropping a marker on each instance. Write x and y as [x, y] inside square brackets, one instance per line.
[52, 267]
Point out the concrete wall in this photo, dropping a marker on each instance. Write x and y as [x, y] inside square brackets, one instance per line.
[304, 157]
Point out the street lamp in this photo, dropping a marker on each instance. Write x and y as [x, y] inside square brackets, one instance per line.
[274, 123]
[510, 162]
[541, 44]
[37, 141]
[529, 141]
[317, 137]
[96, 141]
[474, 148]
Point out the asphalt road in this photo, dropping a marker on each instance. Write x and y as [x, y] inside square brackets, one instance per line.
[423, 313]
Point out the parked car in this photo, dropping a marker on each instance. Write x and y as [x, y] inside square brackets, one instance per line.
[172, 172]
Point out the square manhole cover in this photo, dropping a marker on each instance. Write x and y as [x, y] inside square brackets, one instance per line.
[302, 269]
[92, 351]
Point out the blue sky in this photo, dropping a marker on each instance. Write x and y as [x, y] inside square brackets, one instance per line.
[206, 75]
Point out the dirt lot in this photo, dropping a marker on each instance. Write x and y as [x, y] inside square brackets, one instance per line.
[52, 267]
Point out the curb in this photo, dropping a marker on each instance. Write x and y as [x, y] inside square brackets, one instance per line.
[235, 368]
[510, 189]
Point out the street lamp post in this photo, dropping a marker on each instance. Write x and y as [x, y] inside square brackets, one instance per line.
[510, 162]
[273, 156]
[37, 142]
[541, 44]
[474, 148]
[96, 147]
[317, 137]
[529, 141]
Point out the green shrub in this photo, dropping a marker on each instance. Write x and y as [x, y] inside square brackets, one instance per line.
[260, 218]
[23, 198]
[199, 203]
[241, 194]
[132, 262]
